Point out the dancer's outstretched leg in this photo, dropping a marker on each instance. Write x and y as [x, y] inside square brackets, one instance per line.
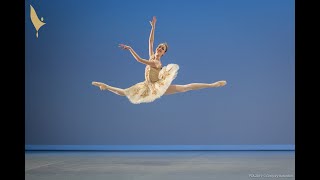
[193, 86]
[104, 86]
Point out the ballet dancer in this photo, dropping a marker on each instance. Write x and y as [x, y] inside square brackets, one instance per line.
[158, 78]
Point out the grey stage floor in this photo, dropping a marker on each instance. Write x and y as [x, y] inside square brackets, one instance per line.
[159, 165]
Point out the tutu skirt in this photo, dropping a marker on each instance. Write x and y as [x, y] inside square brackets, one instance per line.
[148, 91]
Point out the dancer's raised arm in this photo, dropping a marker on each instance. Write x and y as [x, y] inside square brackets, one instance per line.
[138, 58]
[151, 37]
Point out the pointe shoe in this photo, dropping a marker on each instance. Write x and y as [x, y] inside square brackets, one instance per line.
[222, 83]
[219, 83]
[96, 83]
[102, 86]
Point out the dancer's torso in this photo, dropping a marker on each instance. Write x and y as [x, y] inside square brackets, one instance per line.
[152, 73]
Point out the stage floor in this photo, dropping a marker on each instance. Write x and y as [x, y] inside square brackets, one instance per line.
[159, 165]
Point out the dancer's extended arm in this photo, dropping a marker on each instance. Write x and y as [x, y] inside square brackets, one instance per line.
[138, 58]
[151, 37]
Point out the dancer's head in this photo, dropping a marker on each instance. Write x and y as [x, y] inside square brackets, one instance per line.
[162, 49]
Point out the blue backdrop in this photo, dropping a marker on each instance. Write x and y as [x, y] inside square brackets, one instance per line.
[249, 43]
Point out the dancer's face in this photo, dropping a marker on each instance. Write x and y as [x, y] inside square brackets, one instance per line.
[161, 49]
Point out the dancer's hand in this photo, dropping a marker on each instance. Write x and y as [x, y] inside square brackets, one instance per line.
[124, 46]
[153, 22]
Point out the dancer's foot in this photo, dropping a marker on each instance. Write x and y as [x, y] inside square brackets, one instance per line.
[219, 84]
[102, 86]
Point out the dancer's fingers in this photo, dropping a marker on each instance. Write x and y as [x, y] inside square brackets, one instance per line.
[123, 46]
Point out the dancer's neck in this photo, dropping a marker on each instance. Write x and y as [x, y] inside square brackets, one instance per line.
[157, 57]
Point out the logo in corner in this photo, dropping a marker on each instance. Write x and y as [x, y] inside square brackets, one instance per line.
[37, 23]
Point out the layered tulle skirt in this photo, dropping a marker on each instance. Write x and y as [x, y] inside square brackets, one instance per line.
[147, 91]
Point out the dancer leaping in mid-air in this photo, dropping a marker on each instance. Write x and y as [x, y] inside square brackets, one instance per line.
[158, 78]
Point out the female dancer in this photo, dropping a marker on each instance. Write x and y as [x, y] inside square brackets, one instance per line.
[158, 78]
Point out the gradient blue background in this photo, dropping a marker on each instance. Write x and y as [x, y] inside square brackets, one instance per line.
[249, 43]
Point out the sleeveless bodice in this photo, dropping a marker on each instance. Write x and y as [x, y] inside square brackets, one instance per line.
[152, 74]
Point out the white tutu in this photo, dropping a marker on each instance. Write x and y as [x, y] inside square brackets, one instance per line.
[148, 91]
